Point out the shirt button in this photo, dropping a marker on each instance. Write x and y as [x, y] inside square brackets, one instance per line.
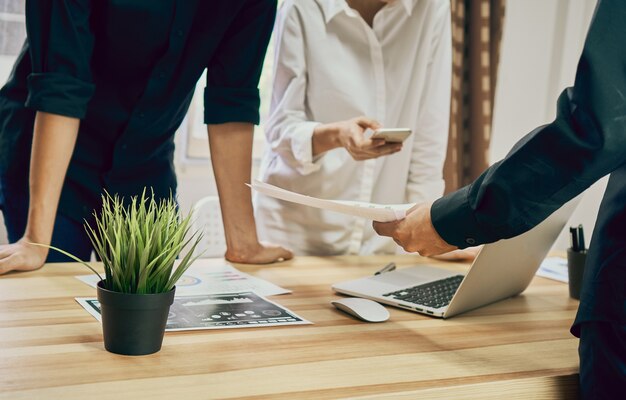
[162, 75]
[141, 115]
[179, 32]
[470, 241]
[124, 147]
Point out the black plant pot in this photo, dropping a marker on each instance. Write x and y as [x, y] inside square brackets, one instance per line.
[133, 324]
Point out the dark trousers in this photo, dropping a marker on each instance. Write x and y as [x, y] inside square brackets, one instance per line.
[602, 353]
[68, 235]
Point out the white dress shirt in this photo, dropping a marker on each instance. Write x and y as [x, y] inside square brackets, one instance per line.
[329, 66]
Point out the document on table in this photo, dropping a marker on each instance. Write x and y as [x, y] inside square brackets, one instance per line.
[372, 211]
[204, 278]
[554, 268]
[217, 311]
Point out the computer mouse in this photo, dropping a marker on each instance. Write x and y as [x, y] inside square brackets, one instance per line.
[364, 309]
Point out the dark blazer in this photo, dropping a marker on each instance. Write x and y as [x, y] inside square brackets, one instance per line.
[556, 162]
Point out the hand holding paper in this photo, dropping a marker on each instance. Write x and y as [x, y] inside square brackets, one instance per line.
[416, 232]
[375, 212]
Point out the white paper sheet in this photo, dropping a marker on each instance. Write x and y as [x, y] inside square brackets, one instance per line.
[204, 278]
[217, 311]
[372, 211]
[554, 268]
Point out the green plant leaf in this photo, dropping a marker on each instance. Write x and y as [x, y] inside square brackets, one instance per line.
[70, 255]
[139, 241]
[184, 264]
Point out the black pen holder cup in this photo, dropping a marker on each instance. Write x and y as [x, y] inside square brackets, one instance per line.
[575, 269]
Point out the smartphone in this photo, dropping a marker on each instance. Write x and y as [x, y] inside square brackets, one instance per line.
[396, 135]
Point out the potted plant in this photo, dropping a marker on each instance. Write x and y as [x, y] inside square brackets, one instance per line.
[138, 244]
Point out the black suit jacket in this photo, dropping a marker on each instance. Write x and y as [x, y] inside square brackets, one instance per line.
[556, 162]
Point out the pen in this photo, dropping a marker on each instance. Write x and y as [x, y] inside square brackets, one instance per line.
[387, 268]
[574, 238]
[581, 238]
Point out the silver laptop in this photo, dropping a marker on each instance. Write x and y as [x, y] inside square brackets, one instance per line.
[502, 269]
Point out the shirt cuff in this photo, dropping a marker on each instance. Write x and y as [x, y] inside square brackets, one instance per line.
[302, 148]
[454, 220]
[223, 104]
[59, 94]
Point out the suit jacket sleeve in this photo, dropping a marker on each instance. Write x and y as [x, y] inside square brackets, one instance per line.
[555, 162]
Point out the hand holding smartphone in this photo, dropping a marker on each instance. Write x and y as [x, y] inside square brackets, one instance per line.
[395, 135]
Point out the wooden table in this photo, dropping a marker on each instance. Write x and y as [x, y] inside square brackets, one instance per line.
[50, 348]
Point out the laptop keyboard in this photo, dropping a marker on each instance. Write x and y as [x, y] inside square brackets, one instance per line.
[435, 294]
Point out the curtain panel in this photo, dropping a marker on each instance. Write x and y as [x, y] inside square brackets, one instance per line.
[476, 36]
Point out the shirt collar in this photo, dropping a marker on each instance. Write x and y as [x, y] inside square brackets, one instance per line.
[331, 8]
[408, 5]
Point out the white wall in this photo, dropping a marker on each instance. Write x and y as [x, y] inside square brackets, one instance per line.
[541, 44]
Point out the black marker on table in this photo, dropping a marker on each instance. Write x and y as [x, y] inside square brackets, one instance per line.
[581, 239]
[576, 258]
[574, 238]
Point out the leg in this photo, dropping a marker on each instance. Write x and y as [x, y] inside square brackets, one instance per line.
[602, 353]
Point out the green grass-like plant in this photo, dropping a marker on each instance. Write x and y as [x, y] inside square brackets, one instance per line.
[138, 244]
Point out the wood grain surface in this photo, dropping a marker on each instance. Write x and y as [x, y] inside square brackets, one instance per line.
[519, 348]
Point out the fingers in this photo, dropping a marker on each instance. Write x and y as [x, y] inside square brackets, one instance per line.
[365, 149]
[386, 228]
[414, 207]
[377, 142]
[17, 257]
[284, 255]
[8, 264]
[387, 149]
[363, 154]
[4, 252]
[365, 123]
[454, 255]
[19, 262]
[7, 261]
[361, 147]
[275, 254]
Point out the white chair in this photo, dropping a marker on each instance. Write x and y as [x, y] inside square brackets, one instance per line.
[207, 218]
